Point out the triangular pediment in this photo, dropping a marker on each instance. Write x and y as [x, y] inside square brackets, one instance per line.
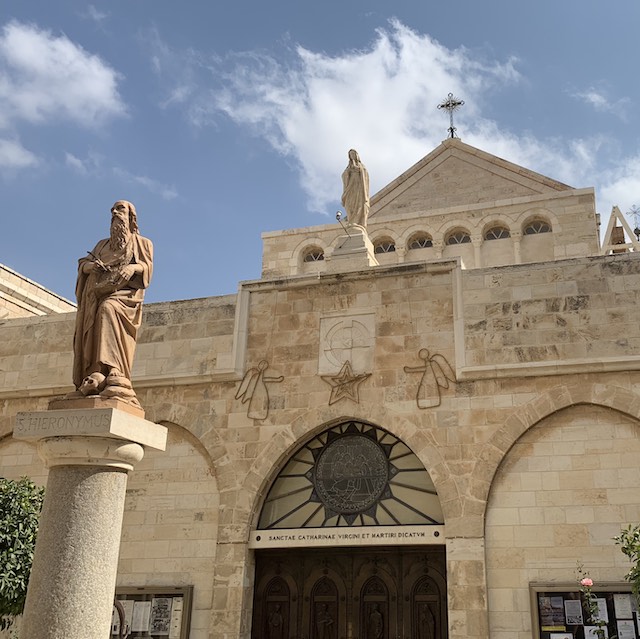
[456, 174]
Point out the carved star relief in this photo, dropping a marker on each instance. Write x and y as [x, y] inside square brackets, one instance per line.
[345, 385]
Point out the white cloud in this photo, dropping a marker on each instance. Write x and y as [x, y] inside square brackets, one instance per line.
[14, 156]
[621, 186]
[75, 163]
[595, 99]
[598, 99]
[312, 107]
[381, 100]
[164, 191]
[93, 13]
[181, 67]
[46, 78]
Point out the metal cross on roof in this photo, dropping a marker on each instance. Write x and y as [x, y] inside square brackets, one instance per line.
[451, 104]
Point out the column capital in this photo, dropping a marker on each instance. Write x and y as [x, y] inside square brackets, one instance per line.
[90, 437]
[90, 451]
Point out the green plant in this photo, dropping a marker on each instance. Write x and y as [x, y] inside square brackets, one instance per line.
[20, 505]
[590, 602]
[629, 542]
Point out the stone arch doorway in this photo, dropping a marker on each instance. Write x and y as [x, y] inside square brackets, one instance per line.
[350, 593]
[349, 544]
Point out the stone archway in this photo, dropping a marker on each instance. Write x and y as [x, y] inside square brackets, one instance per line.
[562, 491]
[360, 479]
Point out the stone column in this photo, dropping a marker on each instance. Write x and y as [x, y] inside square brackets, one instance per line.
[476, 240]
[467, 588]
[89, 453]
[516, 237]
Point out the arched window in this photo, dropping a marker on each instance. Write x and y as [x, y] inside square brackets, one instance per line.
[313, 254]
[353, 474]
[497, 233]
[537, 226]
[459, 236]
[385, 245]
[419, 240]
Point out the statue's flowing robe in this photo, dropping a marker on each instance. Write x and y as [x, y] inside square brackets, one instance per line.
[108, 320]
[355, 194]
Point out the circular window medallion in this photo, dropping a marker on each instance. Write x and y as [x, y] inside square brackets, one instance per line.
[351, 474]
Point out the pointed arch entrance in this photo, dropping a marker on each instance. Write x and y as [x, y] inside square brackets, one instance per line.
[349, 542]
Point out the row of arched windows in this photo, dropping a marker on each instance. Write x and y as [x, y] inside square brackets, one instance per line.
[422, 239]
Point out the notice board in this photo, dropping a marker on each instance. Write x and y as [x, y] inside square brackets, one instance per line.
[160, 612]
[558, 611]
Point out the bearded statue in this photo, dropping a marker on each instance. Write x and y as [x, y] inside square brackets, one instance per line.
[110, 290]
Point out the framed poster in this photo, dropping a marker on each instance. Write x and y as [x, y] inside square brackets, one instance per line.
[155, 612]
[559, 612]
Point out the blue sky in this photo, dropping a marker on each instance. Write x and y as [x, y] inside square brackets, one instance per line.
[222, 120]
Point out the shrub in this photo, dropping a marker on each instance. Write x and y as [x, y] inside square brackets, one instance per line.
[20, 505]
[629, 542]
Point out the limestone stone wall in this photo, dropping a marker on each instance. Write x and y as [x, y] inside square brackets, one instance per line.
[170, 525]
[21, 297]
[20, 459]
[171, 517]
[457, 174]
[562, 492]
[564, 311]
[571, 217]
[179, 342]
[198, 502]
[473, 184]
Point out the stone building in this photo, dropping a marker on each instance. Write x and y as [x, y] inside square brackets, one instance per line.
[392, 450]
[21, 297]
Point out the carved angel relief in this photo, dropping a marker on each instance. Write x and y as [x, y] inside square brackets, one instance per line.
[436, 374]
[253, 389]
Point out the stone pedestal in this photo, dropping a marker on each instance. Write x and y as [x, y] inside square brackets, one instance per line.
[353, 251]
[89, 453]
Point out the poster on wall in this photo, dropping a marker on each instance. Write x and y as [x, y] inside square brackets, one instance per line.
[160, 615]
[573, 612]
[127, 605]
[623, 606]
[551, 612]
[176, 619]
[602, 614]
[141, 615]
[626, 629]
[155, 612]
[558, 612]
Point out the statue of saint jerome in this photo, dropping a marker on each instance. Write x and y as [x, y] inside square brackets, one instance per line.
[110, 290]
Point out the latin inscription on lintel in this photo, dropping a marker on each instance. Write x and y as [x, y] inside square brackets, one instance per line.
[346, 536]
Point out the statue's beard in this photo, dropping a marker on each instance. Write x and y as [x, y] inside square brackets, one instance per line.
[120, 234]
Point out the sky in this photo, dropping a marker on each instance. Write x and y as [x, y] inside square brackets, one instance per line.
[222, 120]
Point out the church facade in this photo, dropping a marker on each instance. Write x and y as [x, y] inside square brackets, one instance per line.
[395, 443]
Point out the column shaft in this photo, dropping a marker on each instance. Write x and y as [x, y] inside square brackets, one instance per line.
[74, 570]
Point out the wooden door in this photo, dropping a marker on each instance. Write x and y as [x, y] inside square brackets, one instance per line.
[353, 593]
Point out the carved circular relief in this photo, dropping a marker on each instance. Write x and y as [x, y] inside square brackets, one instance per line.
[351, 474]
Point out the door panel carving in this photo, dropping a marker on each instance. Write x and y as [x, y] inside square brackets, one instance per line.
[374, 609]
[351, 593]
[277, 609]
[325, 610]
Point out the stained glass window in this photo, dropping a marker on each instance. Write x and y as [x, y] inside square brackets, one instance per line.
[353, 474]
